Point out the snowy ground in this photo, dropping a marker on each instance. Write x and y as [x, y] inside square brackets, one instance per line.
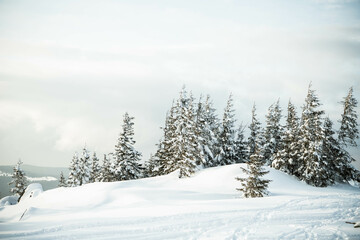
[205, 206]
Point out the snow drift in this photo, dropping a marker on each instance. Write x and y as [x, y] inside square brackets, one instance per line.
[205, 206]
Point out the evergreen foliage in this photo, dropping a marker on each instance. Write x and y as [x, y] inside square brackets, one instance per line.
[313, 168]
[254, 138]
[287, 158]
[62, 180]
[240, 146]
[126, 157]
[84, 167]
[19, 180]
[106, 173]
[254, 186]
[226, 151]
[349, 132]
[273, 133]
[95, 170]
[74, 173]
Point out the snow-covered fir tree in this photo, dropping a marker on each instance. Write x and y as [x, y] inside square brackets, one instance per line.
[62, 180]
[287, 158]
[313, 168]
[186, 152]
[240, 148]
[338, 159]
[19, 180]
[273, 132]
[95, 170]
[255, 137]
[226, 150]
[106, 173]
[126, 157]
[84, 167]
[200, 133]
[349, 132]
[254, 185]
[74, 172]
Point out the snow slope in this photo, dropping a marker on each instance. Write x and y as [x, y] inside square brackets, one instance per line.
[206, 206]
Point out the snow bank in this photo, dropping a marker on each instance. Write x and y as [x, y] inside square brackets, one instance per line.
[205, 206]
[9, 200]
[32, 191]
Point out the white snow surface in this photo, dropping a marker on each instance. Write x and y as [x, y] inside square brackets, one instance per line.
[205, 206]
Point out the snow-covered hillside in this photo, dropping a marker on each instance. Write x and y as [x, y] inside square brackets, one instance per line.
[206, 206]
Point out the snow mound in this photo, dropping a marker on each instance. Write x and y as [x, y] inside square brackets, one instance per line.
[32, 191]
[9, 200]
[205, 206]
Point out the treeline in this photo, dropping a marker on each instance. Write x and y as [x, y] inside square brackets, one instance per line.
[194, 137]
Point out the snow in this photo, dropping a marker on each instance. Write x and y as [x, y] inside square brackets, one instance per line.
[205, 206]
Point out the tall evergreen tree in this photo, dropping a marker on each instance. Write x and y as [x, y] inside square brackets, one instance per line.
[163, 160]
[127, 159]
[255, 133]
[207, 131]
[84, 167]
[186, 151]
[272, 133]
[313, 168]
[349, 131]
[254, 186]
[287, 158]
[95, 169]
[74, 173]
[106, 173]
[62, 180]
[19, 180]
[226, 152]
[240, 148]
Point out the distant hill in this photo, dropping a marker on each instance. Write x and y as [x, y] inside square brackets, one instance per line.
[46, 176]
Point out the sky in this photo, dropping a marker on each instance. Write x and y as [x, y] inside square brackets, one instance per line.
[69, 70]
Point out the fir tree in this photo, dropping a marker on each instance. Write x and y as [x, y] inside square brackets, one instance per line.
[313, 168]
[226, 152]
[127, 158]
[207, 131]
[74, 173]
[95, 169]
[272, 133]
[349, 131]
[255, 133]
[240, 148]
[186, 151]
[84, 167]
[19, 180]
[287, 158]
[106, 173]
[254, 186]
[62, 180]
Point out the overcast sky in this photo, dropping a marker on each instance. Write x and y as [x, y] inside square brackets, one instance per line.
[69, 70]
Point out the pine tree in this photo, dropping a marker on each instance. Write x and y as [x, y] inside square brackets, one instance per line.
[106, 173]
[349, 131]
[127, 158]
[19, 180]
[272, 133]
[287, 158]
[84, 167]
[62, 180]
[74, 173]
[95, 170]
[255, 133]
[185, 145]
[313, 168]
[164, 160]
[338, 159]
[254, 186]
[240, 148]
[226, 151]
